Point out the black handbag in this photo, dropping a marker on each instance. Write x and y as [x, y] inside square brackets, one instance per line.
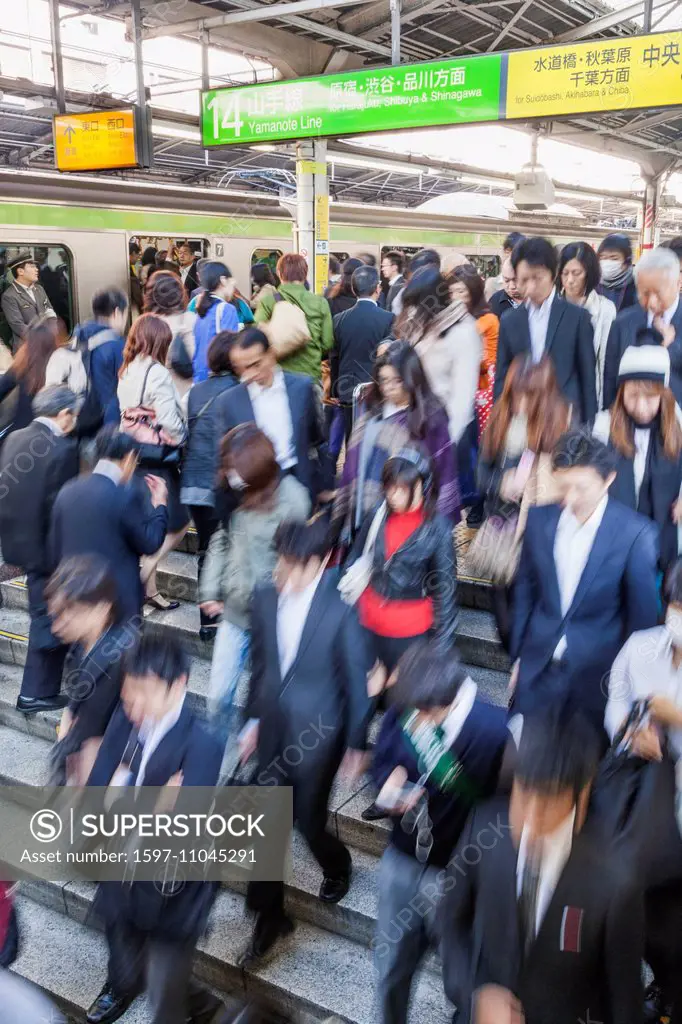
[633, 806]
[179, 358]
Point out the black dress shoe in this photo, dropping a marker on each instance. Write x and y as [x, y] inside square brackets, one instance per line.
[207, 634]
[266, 932]
[373, 813]
[108, 1007]
[32, 705]
[334, 889]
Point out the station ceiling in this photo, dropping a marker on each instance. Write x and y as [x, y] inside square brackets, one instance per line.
[359, 34]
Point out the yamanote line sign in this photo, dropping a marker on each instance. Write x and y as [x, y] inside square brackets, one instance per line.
[606, 75]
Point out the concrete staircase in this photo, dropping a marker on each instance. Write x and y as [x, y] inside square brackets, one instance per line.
[325, 967]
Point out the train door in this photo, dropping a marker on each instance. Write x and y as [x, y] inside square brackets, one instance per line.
[55, 274]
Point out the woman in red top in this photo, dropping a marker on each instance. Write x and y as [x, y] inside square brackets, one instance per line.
[412, 587]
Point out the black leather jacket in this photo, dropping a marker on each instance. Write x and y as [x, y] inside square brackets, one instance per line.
[424, 566]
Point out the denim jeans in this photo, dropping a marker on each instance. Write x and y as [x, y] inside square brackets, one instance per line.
[230, 655]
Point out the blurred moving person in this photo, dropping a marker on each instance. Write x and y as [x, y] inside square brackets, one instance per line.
[656, 319]
[545, 913]
[439, 752]
[215, 313]
[341, 295]
[263, 282]
[21, 1001]
[392, 267]
[508, 296]
[25, 377]
[545, 324]
[166, 297]
[579, 277]
[298, 624]
[51, 457]
[155, 739]
[616, 271]
[101, 342]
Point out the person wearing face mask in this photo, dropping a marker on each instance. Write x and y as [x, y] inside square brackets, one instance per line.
[525, 424]
[649, 667]
[586, 581]
[615, 265]
[656, 319]
[579, 277]
[242, 556]
[215, 313]
[644, 431]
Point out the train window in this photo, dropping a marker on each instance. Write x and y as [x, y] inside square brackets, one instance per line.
[269, 256]
[55, 274]
[487, 266]
[340, 256]
[167, 245]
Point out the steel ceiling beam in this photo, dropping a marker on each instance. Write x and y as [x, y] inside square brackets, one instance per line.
[510, 24]
[608, 21]
[260, 12]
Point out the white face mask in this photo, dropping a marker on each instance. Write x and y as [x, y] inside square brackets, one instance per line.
[610, 269]
[235, 481]
[673, 622]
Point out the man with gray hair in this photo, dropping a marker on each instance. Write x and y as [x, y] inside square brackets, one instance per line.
[34, 464]
[655, 320]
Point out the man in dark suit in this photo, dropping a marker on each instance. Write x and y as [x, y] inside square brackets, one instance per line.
[655, 320]
[357, 333]
[392, 267]
[109, 513]
[586, 581]
[509, 296]
[539, 923]
[25, 299]
[299, 723]
[34, 464]
[547, 325]
[155, 739]
[282, 404]
[189, 269]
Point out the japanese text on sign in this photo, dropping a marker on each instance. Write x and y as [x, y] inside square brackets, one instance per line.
[95, 141]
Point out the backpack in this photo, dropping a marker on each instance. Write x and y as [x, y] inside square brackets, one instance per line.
[91, 415]
[287, 329]
[179, 359]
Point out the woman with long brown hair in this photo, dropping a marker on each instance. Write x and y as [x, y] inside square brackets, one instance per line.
[514, 468]
[26, 376]
[145, 382]
[165, 296]
[644, 427]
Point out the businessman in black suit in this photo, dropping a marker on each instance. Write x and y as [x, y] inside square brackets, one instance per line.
[109, 513]
[189, 267]
[392, 271]
[656, 319]
[307, 704]
[547, 325]
[282, 404]
[357, 333]
[34, 464]
[543, 921]
[586, 581]
[155, 739]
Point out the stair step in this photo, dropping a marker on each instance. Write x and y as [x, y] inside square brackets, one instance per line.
[315, 973]
[477, 637]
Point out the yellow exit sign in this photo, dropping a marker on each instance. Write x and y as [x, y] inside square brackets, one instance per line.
[96, 141]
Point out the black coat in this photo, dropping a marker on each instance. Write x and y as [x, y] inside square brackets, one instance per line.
[320, 712]
[424, 566]
[340, 303]
[585, 962]
[92, 515]
[500, 303]
[357, 334]
[630, 328]
[188, 747]
[16, 410]
[570, 346]
[234, 407]
[200, 459]
[616, 596]
[26, 498]
[192, 279]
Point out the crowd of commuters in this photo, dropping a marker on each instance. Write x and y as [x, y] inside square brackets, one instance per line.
[336, 454]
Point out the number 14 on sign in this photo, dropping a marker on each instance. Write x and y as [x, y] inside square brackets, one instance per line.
[231, 118]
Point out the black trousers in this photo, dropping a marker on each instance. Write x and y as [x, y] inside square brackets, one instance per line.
[45, 657]
[206, 522]
[663, 948]
[311, 810]
[139, 962]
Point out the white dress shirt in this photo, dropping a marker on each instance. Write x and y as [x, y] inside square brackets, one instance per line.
[460, 710]
[554, 852]
[54, 427]
[572, 546]
[667, 316]
[538, 322]
[184, 271]
[152, 732]
[367, 298]
[642, 438]
[293, 608]
[273, 416]
[111, 470]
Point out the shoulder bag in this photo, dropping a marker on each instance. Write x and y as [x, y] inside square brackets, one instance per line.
[287, 329]
[357, 578]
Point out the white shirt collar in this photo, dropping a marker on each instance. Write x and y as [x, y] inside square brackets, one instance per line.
[555, 851]
[591, 525]
[278, 384]
[152, 732]
[667, 316]
[367, 298]
[54, 427]
[460, 709]
[544, 307]
[111, 470]
[27, 287]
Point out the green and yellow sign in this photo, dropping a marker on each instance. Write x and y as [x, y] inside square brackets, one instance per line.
[580, 78]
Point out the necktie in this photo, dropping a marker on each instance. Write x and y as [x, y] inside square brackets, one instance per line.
[136, 759]
[528, 900]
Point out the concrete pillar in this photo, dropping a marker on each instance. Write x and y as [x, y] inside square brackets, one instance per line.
[312, 210]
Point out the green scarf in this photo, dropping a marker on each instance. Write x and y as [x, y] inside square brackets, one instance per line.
[434, 760]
